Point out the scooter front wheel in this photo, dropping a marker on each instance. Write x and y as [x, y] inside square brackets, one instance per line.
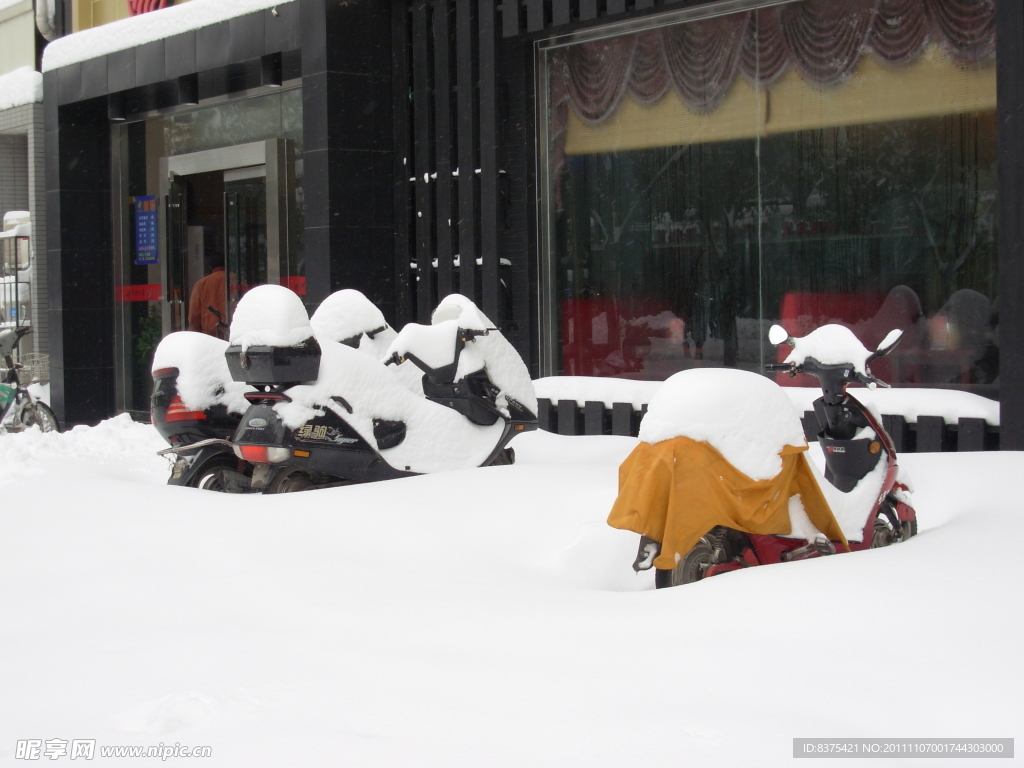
[690, 568]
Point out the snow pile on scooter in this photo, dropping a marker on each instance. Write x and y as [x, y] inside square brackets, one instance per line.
[347, 315]
[434, 344]
[203, 376]
[437, 438]
[831, 345]
[745, 417]
[269, 316]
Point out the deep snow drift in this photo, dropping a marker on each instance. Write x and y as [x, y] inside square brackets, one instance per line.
[483, 617]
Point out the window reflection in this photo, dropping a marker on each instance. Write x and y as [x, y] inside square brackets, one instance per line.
[806, 163]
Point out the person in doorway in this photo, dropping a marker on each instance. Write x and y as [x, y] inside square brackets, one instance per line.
[206, 305]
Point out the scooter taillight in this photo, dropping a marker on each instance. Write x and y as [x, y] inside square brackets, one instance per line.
[261, 454]
[177, 411]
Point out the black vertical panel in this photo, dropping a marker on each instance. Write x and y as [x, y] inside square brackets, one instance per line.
[488, 161]
[443, 147]
[970, 435]
[642, 4]
[534, 15]
[594, 418]
[616, 6]
[623, 418]
[401, 158]
[560, 12]
[930, 434]
[588, 10]
[467, 146]
[1010, 107]
[422, 99]
[510, 18]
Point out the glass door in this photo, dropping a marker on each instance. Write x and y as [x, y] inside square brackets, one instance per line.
[245, 238]
[176, 287]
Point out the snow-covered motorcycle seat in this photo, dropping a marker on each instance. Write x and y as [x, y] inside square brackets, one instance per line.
[271, 340]
[349, 318]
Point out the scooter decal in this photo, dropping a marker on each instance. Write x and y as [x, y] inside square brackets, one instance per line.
[315, 433]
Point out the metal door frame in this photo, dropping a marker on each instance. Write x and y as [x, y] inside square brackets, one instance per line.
[273, 155]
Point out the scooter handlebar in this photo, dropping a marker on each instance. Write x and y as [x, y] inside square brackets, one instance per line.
[781, 367]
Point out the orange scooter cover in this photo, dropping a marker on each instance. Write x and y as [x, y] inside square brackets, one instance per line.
[677, 490]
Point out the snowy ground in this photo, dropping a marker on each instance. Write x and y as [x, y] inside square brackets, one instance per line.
[479, 618]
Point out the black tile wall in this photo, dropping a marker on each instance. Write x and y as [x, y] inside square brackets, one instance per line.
[84, 218]
[212, 46]
[316, 190]
[121, 70]
[149, 63]
[94, 77]
[315, 119]
[180, 54]
[360, 111]
[51, 85]
[246, 37]
[89, 394]
[69, 83]
[86, 279]
[281, 31]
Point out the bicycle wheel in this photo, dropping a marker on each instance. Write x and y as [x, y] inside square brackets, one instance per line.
[38, 414]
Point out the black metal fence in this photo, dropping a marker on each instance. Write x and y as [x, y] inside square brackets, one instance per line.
[928, 434]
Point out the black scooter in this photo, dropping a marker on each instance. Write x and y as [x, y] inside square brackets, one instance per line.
[327, 450]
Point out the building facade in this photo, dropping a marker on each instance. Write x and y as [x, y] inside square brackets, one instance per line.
[629, 188]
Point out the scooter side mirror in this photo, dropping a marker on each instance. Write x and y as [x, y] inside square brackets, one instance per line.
[891, 340]
[779, 335]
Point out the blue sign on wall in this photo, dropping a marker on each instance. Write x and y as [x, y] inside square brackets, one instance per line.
[145, 230]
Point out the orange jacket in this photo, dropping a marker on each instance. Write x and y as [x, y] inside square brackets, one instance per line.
[209, 291]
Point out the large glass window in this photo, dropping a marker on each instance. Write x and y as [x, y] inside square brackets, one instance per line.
[810, 162]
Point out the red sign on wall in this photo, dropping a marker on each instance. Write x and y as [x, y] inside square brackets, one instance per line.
[140, 292]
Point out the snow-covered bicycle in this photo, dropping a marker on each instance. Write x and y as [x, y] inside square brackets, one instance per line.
[19, 408]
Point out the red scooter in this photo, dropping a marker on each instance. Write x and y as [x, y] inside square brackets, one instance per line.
[854, 443]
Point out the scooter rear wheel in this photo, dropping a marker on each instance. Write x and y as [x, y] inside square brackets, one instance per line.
[212, 475]
[291, 480]
[690, 568]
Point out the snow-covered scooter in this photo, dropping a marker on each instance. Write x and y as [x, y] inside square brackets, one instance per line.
[197, 406]
[325, 414]
[868, 494]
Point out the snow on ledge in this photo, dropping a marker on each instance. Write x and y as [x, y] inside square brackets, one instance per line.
[147, 28]
[20, 86]
[909, 402]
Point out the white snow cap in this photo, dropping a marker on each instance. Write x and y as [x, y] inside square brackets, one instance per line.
[747, 418]
[435, 345]
[830, 345]
[271, 316]
[203, 376]
[345, 314]
[145, 28]
[20, 86]
[349, 313]
[455, 306]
